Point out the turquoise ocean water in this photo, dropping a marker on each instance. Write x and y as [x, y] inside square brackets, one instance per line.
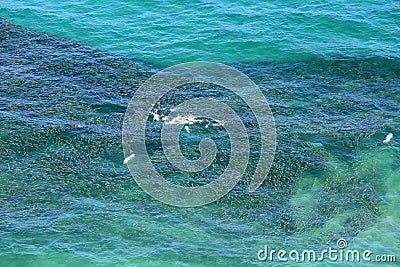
[330, 71]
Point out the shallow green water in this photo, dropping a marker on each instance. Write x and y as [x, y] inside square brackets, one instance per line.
[331, 74]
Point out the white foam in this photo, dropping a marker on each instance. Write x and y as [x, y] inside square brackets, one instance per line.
[189, 120]
[129, 158]
[388, 138]
[182, 120]
[156, 116]
[215, 124]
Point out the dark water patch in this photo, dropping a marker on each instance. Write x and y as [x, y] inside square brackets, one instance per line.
[62, 106]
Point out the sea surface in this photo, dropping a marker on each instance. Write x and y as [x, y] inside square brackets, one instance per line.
[330, 71]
